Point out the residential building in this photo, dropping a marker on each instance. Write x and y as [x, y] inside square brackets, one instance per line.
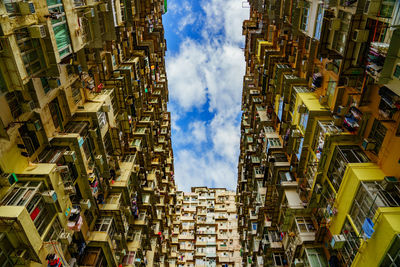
[319, 169]
[205, 227]
[87, 175]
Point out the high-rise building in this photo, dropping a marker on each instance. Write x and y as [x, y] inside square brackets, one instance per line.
[85, 152]
[205, 228]
[319, 169]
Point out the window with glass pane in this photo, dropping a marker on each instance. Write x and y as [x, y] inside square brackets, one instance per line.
[304, 224]
[315, 258]
[303, 121]
[6, 249]
[304, 17]
[318, 24]
[365, 204]
[352, 244]
[56, 113]
[330, 91]
[392, 257]
[54, 231]
[60, 28]
[378, 133]
[45, 84]
[31, 51]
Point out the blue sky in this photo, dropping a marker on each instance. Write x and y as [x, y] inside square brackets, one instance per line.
[205, 68]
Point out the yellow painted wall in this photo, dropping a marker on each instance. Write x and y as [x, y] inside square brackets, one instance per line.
[386, 227]
[355, 173]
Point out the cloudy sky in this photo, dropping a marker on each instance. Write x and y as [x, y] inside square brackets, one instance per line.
[205, 68]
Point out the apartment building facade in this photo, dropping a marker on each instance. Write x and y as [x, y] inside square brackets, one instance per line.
[319, 169]
[87, 175]
[205, 228]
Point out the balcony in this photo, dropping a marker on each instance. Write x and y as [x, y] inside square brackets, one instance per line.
[186, 237]
[141, 219]
[211, 254]
[27, 231]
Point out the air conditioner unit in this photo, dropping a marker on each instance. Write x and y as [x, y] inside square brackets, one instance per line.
[49, 196]
[65, 238]
[37, 31]
[26, 8]
[28, 106]
[70, 156]
[85, 204]
[8, 179]
[338, 241]
[104, 7]
[372, 7]
[334, 24]
[360, 36]
[368, 144]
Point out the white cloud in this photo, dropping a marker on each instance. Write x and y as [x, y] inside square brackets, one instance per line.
[186, 85]
[206, 170]
[188, 17]
[210, 70]
[198, 131]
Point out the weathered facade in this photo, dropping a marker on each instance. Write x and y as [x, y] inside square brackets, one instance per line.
[320, 144]
[85, 152]
[205, 228]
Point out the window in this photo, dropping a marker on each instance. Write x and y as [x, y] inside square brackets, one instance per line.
[351, 245]
[54, 231]
[102, 119]
[60, 28]
[304, 17]
[3, 85]
[364, 206]
[378, 133]
[318, 24]
[108, 144]
[330, 91]
[305, 224]
[55, 112]
[370, 196]
[13, 99]
[315, 258]
[392, 257]
[31, 51]
[30, 139]
[279, 259]
[28, 195]
[45, 84]
[6, 249]
[76, 92]
[343, 155]
[105, 224]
